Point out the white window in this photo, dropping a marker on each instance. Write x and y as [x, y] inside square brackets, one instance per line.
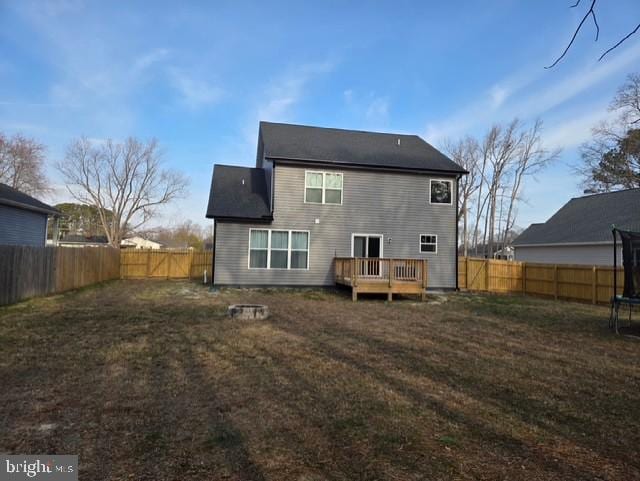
[258, 249]
[441, 191]
[278, 249]
[428, 243]
[323, 187]
[299, 250]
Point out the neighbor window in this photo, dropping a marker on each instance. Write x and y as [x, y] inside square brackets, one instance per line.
[428, 243]
[278, 249]
[441, 191]
[323, 187]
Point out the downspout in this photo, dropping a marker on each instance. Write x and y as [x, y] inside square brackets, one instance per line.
[213, 256]
[457, 220]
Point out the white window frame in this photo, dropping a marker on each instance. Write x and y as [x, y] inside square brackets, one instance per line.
[324, 186]
[357, 234]
[287, 250]
[288, 268]
[450, 181]
[420, 243]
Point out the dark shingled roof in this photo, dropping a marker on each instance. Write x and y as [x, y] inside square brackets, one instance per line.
[14, 198]
[367, 149]
[587, 219]
[239, 193]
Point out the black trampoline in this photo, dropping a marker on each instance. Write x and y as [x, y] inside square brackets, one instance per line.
[631, 263]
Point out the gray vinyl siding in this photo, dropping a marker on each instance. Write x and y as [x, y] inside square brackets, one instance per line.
[395, 205]
[22, 227]
[591, 255]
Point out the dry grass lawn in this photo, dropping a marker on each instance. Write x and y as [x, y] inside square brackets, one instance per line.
[151, 381]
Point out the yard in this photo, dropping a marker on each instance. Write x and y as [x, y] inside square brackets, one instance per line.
[149, 380]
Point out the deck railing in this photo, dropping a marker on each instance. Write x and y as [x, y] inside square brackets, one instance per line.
[349, 270]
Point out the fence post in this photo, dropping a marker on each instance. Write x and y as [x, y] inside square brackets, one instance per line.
[169, 264]
[424, 273]
[148, 263]
[524, 278]
[594, 285]
[555, 281]
[466, 273]
[486, 275]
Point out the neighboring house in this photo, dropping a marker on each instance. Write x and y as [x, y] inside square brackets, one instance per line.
[140, 243]
[505, 254]
[580, 232]
[320, 193]
[23, 219]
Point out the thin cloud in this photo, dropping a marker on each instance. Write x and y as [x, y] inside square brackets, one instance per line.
[528, 97]
[194, 92]
[286, 91]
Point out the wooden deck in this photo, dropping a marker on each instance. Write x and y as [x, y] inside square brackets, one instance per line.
[382, 276]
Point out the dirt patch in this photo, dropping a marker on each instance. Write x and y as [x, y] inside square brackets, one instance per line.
[136, 378]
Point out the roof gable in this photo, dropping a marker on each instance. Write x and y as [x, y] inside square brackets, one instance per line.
[587, 220]
[353, 147]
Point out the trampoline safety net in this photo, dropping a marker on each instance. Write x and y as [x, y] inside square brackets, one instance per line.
[631, 263]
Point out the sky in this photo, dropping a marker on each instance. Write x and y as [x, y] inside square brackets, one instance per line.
[199, 76]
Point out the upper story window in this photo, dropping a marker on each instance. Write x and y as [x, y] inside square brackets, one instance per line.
[441, 191]
[322, 187]
[278, 249]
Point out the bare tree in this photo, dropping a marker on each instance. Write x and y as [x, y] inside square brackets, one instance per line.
[466, 153]
[126, 179]
[530, 158]
[591, 14]
[22, 164]
[502, 144]
[611, 159]
[498, 166]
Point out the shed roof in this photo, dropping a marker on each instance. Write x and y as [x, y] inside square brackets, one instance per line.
[14, 198]
[587, 219]
[239, 193]
[353, 147]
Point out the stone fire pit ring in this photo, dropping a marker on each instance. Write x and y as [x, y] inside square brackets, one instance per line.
[248, 312]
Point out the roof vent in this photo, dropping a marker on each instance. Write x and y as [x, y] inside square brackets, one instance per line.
[242, 181]
[398, 141]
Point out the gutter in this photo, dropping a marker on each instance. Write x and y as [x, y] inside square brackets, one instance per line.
[564, 244]
[354, 165]
[222, 218]
[20, 205]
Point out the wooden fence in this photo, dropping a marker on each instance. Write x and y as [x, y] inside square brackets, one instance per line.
[36, 271]
[592, 284]
[164, 264]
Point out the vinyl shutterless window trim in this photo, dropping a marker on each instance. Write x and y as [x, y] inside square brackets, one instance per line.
[427, 243]
[289, 250]
[324, 187]
[450, 182]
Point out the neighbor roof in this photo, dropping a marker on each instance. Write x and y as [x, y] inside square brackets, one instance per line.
[353, 147]
[14, 198]
[238, 193]
[587, 220]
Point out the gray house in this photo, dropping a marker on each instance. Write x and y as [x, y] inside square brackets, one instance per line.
[320, 193]
[580, 232]
[23, 219]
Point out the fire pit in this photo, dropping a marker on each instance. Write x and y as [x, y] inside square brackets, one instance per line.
[256, 312]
